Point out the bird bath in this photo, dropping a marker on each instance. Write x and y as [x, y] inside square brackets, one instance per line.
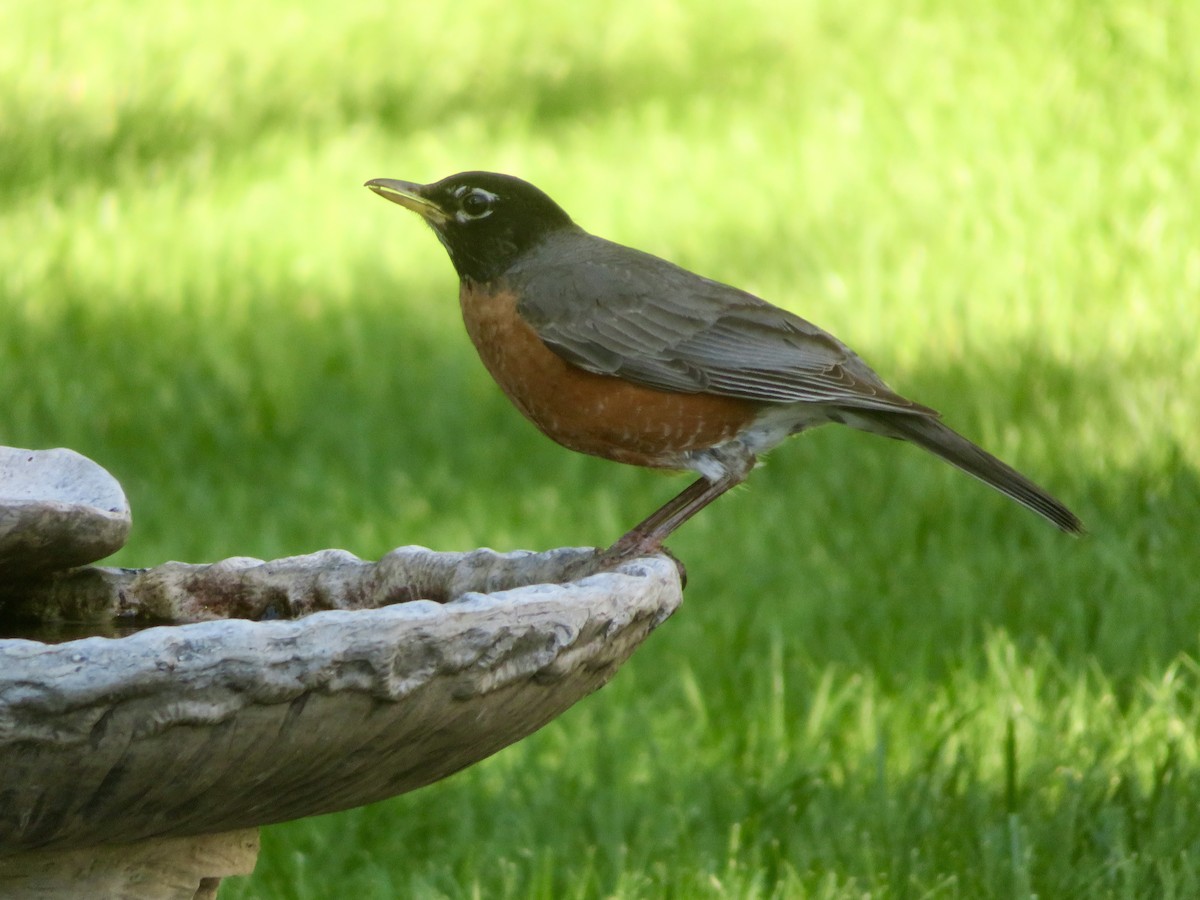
[142, 765]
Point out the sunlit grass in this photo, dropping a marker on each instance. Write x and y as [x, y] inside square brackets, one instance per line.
[886, 679]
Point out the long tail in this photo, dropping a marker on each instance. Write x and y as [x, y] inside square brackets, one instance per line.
[929, 433]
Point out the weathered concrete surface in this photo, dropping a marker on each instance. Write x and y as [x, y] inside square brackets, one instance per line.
[57, 510]
[189, 868]
[223, 725]
[247, 588]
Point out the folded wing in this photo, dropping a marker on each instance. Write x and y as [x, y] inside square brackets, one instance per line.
[615, 311]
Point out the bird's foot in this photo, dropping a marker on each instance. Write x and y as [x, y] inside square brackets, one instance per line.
[634, 545]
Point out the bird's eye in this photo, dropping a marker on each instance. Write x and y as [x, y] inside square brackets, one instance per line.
[477, 203]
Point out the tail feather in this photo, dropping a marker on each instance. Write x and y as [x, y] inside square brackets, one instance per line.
[930, 434]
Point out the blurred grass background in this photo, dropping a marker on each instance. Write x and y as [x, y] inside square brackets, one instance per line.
[886, 681]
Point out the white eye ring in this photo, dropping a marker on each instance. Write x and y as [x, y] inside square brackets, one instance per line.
[475, 203]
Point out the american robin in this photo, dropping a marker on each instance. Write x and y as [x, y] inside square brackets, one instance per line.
[620, 354]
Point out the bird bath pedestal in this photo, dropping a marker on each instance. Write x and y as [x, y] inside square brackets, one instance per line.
[141, 763]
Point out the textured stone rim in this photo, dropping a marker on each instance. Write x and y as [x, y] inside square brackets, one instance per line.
[213, 726]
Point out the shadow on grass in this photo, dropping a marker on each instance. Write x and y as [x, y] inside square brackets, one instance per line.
[367, 427]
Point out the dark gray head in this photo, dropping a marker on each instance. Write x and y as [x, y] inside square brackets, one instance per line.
[485, 220]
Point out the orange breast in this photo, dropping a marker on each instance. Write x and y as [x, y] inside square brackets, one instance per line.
[597, 414]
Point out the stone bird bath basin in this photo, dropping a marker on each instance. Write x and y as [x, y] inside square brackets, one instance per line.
[142, 764]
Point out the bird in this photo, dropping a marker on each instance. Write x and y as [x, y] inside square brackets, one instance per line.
[617, 353]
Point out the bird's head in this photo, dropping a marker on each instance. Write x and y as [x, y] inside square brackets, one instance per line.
[485, 220]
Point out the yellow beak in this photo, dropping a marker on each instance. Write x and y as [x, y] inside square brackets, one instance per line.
[409, 196]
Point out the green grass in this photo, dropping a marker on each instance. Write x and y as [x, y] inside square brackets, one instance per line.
[886, 681]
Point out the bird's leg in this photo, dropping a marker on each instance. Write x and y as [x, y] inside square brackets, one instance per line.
[648, 535]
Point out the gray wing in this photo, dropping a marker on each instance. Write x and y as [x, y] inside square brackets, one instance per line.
[615, 311]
